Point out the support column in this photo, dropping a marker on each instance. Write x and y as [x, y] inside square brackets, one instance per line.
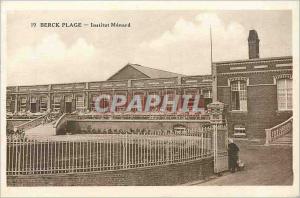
[86, 101]
[49, 99]
[16, 103]
[86, 97]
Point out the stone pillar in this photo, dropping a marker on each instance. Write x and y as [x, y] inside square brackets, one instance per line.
[216, 112]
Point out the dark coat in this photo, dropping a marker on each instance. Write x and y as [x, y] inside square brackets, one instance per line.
[233, 149]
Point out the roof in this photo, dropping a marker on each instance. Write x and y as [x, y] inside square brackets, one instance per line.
[155, 73]
[147, 72]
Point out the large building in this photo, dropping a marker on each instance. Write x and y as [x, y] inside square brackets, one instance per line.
[131, 80]
[257, 91]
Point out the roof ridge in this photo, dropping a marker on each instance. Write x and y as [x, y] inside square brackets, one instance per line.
[134, 64]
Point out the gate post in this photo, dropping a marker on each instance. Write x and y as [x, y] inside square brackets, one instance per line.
[216, 112]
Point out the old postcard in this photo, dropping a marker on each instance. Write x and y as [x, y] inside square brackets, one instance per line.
[173, 99]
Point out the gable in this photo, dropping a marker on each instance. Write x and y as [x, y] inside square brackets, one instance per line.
[128, 72]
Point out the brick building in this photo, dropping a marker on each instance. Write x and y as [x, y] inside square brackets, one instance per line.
[257, 91]
[131, 80]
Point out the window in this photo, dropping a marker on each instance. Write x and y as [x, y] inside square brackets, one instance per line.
[56, 103]
[171, 97]
[239, 130]
[284, 94]
[207, 94]
[79, 102]
[10, 103]
[191, 100]
[239, 95]
[23, 104]
[43, 104]
[93, 102]
[155, 93]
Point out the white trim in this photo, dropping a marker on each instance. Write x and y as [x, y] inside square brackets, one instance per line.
[261, 85]
[249, 72]
[191, 81]
[118, 85]
[261, 66]
[107, 85]
[237, 68]
[284, 65]
[169, 82]
[153, 83]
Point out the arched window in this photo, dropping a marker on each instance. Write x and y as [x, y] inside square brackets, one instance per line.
[239, 95]
[284, 94]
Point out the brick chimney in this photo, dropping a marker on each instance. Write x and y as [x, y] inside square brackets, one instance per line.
[253, 44]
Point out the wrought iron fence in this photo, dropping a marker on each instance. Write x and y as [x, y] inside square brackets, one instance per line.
[106, 152]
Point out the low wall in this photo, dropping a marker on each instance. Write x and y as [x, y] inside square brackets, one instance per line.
[163, 175]
[130, 124]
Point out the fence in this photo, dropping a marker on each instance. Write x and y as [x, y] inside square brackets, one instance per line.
[106, 152]
[279, 130]
[142, 116]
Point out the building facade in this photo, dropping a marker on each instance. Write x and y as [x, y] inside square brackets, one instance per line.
[257, 91]
[81, 97]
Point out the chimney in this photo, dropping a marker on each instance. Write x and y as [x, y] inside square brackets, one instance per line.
[253, 44]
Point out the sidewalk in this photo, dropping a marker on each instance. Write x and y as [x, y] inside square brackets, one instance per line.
[264, 166]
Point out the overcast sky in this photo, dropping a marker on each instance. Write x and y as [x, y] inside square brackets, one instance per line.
[176, 41]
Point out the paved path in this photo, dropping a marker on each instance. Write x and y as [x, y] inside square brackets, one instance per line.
[264, 166]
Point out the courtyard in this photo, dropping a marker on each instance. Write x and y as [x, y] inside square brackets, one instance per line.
[264, 165]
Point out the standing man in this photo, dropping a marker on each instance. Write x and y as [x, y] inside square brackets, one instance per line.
[233, 151]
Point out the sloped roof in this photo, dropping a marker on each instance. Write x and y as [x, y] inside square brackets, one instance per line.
[155, 73]
[145, 71]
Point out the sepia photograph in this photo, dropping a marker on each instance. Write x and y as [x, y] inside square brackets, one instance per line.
[190, 97]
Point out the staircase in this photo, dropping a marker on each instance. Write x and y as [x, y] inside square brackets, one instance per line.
[286, 140]
[280, 134]
[41, 131]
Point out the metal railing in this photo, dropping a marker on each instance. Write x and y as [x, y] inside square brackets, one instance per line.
[46, 118]
[279, 130]
[105, 152]
[30, 124]
[142, 116]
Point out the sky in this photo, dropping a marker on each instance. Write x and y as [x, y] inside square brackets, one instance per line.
[176, 41]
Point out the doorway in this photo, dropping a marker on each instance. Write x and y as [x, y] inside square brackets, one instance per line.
[33, 107]
[68, 107]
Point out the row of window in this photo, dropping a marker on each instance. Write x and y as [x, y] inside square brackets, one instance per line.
[284, 95]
